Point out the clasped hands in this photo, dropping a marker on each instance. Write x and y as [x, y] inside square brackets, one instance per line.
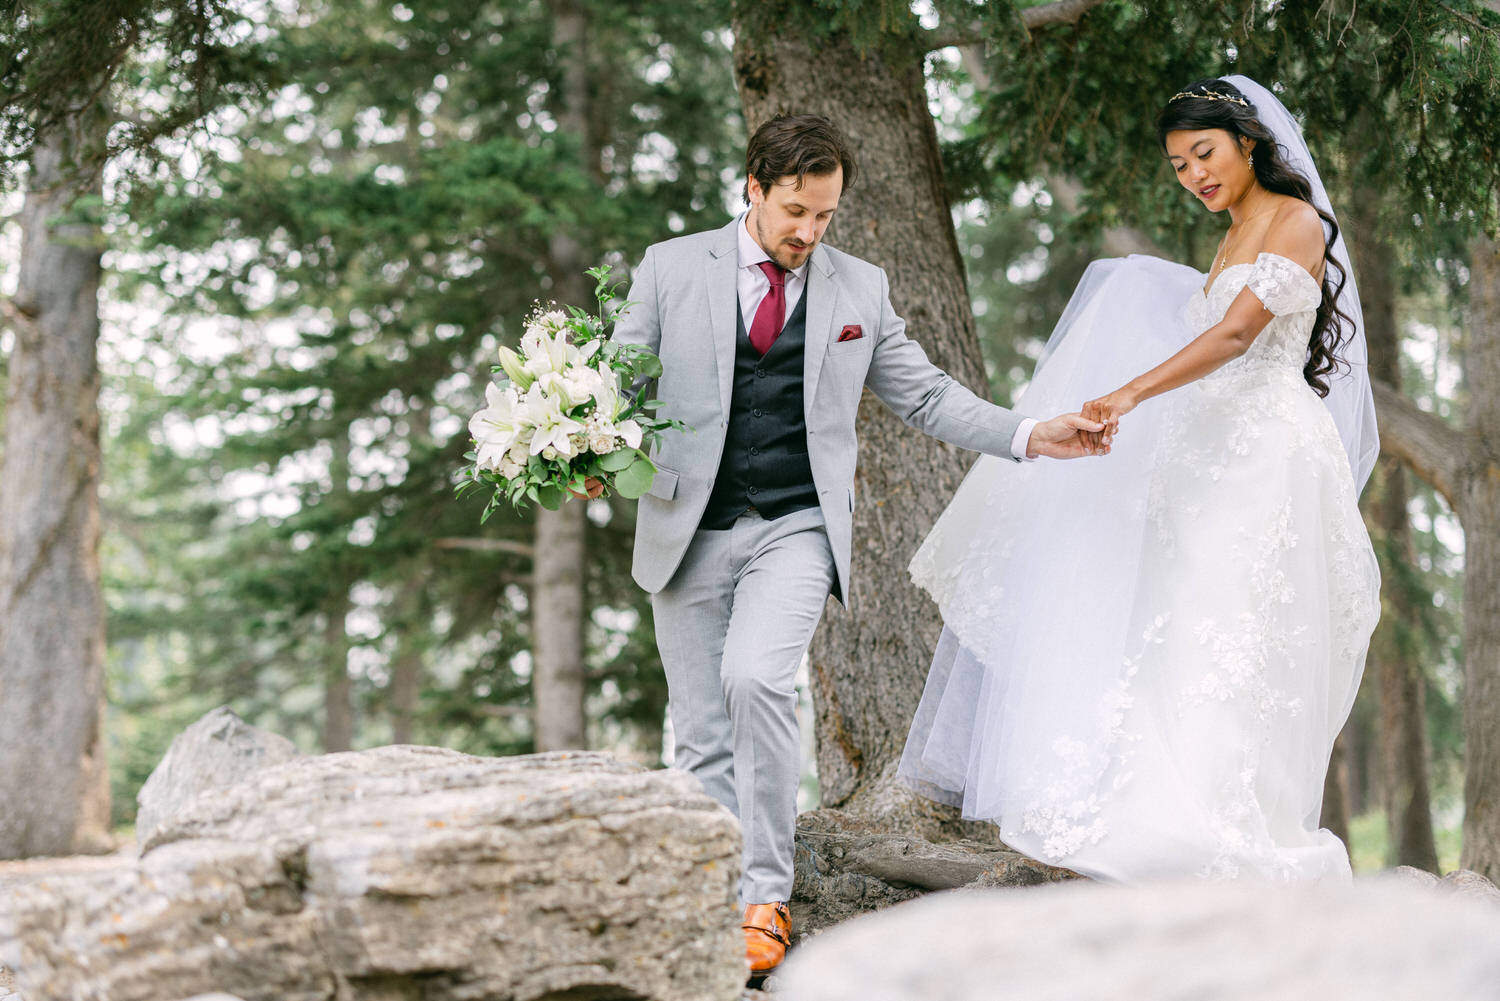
[1091, 431]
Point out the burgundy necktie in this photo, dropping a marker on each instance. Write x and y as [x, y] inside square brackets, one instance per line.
[771, 313]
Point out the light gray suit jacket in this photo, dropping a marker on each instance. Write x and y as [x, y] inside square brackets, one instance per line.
[685, 297]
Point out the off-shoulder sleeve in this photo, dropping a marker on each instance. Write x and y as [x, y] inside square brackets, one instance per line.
[1283, 285]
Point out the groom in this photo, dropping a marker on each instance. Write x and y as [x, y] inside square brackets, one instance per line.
[766, 340]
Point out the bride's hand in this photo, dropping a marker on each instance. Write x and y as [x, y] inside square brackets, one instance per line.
[1109, 409]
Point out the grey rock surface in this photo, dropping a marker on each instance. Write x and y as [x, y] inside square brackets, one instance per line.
[216, 752]
[844, 869]
[1374, 940]
[403, 873]
[1411, 874]
[1468, 883]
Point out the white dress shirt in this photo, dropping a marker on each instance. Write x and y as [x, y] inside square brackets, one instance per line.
[753, 283]
[753, 286]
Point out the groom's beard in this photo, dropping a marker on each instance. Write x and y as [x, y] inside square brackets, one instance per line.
[783, 255]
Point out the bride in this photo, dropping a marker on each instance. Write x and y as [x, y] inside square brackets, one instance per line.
[1177, 716]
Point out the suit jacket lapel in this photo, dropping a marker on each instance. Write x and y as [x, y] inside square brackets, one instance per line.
[822, 292]
[723, 304]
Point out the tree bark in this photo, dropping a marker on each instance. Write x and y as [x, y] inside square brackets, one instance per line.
[338, 691]
[1465, 467]
[413, 626]
[54, 788]
[557, 681]
[869, 662]
[406, 688]
[1399, 684]
[1336, 790]
[1478, 507]
[557, 598]
[1401, 690]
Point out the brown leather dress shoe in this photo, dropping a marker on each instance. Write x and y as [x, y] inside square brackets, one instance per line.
[768, 932]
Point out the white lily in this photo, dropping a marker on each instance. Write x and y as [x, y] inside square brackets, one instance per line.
[607, 394]
[553, 427]
[546, 352]
[496, 427]
[515, 367]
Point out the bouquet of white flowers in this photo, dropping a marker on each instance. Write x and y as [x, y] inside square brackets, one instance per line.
[561, 416]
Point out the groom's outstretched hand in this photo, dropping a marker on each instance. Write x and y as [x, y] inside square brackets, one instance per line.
[1068, 436]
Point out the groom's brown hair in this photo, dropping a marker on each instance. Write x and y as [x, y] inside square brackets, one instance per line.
[797, 145]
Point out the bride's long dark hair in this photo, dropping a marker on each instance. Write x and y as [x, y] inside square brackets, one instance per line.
[1330, 329]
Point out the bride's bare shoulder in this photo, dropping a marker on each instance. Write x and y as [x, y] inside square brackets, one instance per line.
[1296, 233]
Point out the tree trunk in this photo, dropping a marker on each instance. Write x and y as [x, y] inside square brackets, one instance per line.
[1363, 754]
[1478, 506]
[1335, 812]
[406, 688]
[1401, 727]
[54, 789]
[869, 662]
[338, 691]
[1401, 691]
[413, 630]
[557, 681]
[557, 598]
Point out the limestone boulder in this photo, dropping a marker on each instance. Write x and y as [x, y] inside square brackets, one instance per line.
[216, 752]
[1374, 940]
[397, 874]
[1468, 883]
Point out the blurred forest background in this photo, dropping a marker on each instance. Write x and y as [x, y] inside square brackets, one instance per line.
[311, 224]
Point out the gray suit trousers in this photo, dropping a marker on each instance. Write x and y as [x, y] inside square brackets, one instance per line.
[732, 625]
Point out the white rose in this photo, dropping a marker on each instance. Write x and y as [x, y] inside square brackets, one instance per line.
[549, 453]
[580, 385]
[602, 444]
[509, 468]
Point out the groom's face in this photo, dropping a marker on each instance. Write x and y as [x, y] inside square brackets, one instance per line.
[788, 219]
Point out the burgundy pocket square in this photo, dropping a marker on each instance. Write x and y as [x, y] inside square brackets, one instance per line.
[851, 333]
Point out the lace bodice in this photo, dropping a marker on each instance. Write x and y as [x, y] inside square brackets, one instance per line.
[1286, 289]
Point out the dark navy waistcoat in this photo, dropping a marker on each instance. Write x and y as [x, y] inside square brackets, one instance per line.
[765, 463]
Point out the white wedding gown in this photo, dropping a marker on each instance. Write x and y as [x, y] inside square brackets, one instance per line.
[1146, 657]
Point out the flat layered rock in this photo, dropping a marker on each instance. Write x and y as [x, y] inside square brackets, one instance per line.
[845, 869]
[1374, 940]
[402, 873]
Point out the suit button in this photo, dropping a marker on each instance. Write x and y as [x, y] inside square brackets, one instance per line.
[760, 373]
[754, 491]
[757, 412]
[754, 450]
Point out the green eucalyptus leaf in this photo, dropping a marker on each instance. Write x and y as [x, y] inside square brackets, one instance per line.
[635, 479]
[614, 462]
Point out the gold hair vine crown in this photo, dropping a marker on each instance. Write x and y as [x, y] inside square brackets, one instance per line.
[1210, 95]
